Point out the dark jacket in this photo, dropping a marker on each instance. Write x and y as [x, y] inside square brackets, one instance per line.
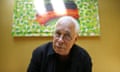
[44, 60]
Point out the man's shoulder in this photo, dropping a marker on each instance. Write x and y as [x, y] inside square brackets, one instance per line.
[43, 48]
[79, 48]
[81, 51]
[45, 45]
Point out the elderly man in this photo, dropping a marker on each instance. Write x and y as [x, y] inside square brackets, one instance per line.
[61, 55]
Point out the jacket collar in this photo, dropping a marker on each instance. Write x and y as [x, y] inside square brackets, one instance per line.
[50, 49]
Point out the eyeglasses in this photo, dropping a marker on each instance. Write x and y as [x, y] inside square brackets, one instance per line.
[66, 37]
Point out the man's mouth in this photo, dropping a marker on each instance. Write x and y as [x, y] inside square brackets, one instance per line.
[59, 47]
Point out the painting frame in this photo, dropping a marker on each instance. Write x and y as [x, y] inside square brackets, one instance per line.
[25, 24]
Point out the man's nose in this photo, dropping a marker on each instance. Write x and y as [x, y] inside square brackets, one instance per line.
[61, 38]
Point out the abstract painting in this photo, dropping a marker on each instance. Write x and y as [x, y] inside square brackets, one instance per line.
[38, 17]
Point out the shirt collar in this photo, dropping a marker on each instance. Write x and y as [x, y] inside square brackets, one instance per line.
[50, 49]
[52, 52]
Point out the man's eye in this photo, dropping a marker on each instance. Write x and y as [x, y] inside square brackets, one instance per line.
[57, 34]
[67, 36]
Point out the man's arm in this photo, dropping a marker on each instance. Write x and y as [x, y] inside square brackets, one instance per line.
[34, 65]
[88, 65]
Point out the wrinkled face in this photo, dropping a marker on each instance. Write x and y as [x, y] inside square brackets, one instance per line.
[64, 38]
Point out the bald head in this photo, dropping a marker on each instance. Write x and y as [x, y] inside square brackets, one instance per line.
[68, 20]
[65, 35]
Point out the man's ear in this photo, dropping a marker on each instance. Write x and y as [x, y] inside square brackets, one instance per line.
[76, 38]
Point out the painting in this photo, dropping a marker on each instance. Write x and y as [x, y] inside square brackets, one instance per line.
[38, 17]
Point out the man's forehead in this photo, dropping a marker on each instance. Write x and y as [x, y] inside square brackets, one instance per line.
[62, 30]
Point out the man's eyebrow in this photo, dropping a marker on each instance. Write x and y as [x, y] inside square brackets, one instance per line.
[57, 30]
[68, 32]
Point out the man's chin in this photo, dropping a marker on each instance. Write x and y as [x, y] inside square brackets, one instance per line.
[59, 51]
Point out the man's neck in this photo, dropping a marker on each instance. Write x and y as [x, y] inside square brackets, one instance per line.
[64, 58]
